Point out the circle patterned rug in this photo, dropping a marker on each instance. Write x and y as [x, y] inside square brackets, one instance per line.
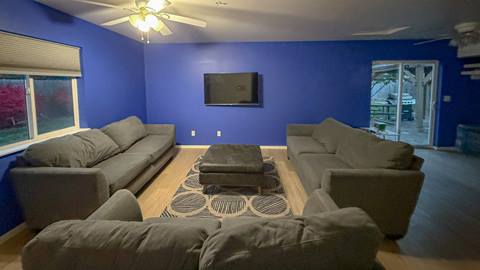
[220, 202]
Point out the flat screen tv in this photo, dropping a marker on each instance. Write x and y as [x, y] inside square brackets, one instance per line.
[231, 89]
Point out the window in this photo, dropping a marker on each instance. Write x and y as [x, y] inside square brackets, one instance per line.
[38, 90]
[36, 107]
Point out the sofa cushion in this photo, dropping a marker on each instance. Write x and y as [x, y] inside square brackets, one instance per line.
[304, 144]
[152, 145]
[366, 151]
[342, 239]
[230, 222]
[312, 167]
[121, 169]
[115, 245]
[330, 133]
[126, 132]
[210, 225]
[66, 151]
[98, 146]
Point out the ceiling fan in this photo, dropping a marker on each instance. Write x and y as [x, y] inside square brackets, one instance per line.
[147, 15]
[465, 34]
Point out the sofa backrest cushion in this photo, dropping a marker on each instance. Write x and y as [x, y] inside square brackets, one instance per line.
[99, 146]
[65, 151]
[126, 132]
[330, 133]
[342, 239]
[80, 150]
[363, 150]
[94, 244]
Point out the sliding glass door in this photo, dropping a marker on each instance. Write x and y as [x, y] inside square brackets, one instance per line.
[402, 104]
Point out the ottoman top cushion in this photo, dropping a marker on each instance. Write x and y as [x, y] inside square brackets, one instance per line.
[232, 158]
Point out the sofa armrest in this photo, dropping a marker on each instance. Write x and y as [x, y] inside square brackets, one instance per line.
[300, 129]
[388, 196]
[122, 206]
[49, 194]
[318, 202]
[161, 129]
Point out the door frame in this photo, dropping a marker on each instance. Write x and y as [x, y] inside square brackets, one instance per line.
[433, 99]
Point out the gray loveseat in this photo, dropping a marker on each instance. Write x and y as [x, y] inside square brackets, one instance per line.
[71, 176]
[358, 169]
[116, 237]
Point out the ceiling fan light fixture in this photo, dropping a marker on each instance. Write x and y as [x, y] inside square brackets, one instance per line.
[151, 20]
[143, 26]
[138, 22]
[156, 5]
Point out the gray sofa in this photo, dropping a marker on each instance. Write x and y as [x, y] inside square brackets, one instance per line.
[358, 169]
[116, 237]
[71, 176]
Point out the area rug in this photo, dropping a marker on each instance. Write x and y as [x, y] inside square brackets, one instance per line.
[220, 202]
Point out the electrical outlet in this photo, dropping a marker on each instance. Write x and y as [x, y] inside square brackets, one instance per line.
[447, 98]
[219, 133]
[194, 133]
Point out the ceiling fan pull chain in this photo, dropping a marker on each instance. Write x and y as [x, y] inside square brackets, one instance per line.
[148, 37]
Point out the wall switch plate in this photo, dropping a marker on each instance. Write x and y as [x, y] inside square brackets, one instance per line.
[219, 133]
[447, 98]
[194, 133]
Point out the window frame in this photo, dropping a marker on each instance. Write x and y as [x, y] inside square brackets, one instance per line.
[34, 137]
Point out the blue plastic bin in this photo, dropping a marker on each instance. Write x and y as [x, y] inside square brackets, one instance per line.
[468, 139]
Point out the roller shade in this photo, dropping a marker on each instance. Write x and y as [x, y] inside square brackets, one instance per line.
[30, 56]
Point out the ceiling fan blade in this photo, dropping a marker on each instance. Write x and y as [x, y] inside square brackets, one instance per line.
[116, 21]
[162, 28]
[101, 4]
[430, 41]
[385, 32]
[183, 19]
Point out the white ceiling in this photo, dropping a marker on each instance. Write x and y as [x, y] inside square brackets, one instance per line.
[291, 20]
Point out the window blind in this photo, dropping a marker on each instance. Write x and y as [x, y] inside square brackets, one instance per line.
[30, 56]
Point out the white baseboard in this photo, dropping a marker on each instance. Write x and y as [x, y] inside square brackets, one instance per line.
[273, 147]
[184, 146]
[266, 147]
[13, 232]
[447, 149]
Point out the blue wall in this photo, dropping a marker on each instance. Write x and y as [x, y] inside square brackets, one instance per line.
[303, 82]
[10, 215]
[113, 82]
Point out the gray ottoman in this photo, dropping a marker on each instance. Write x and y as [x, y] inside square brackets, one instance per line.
[232, 165]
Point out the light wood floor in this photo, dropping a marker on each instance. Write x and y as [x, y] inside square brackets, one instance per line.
[444, 232]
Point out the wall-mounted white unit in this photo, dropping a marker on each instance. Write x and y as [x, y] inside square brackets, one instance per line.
[472, 70]
[469, 51]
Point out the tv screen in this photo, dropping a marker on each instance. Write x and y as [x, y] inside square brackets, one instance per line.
[231, 88]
